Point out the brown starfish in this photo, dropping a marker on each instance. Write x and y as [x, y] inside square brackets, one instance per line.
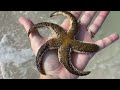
[65, 43]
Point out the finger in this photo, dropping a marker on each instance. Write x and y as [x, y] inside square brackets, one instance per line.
[87, 18]
[81, 64]
[35, 38]
[27, 25]
[107, 41]
[98, 21]
[66, 23]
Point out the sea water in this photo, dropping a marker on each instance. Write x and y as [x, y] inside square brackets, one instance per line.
[17, 61]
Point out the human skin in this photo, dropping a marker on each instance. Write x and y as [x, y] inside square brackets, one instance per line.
[51, 63]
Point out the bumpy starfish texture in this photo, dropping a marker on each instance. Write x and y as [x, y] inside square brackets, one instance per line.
[65, 42]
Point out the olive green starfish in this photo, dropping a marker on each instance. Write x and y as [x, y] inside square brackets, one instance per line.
[65, 43]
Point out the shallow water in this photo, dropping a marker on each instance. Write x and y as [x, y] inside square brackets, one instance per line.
[18, 62]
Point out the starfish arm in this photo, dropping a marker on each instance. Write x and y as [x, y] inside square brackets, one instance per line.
[51, 44]
[73, 21]
[58, 29]
[84, 47]
[39, 56]
[64, 54]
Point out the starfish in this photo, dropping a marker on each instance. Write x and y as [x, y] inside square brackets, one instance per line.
[65, 42]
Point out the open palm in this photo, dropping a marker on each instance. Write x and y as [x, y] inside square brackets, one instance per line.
[51, 62]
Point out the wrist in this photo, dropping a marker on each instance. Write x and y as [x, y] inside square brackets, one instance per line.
[48, 76]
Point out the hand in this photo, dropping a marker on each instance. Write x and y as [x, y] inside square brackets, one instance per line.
[51, 63]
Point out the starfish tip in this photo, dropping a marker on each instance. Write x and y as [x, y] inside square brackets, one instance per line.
[51, 15]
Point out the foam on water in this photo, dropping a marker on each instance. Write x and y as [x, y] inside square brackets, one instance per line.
[10, 54]
[11, 60]
[17, 60]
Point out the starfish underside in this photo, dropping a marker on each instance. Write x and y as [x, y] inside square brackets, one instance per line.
[65, 43]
